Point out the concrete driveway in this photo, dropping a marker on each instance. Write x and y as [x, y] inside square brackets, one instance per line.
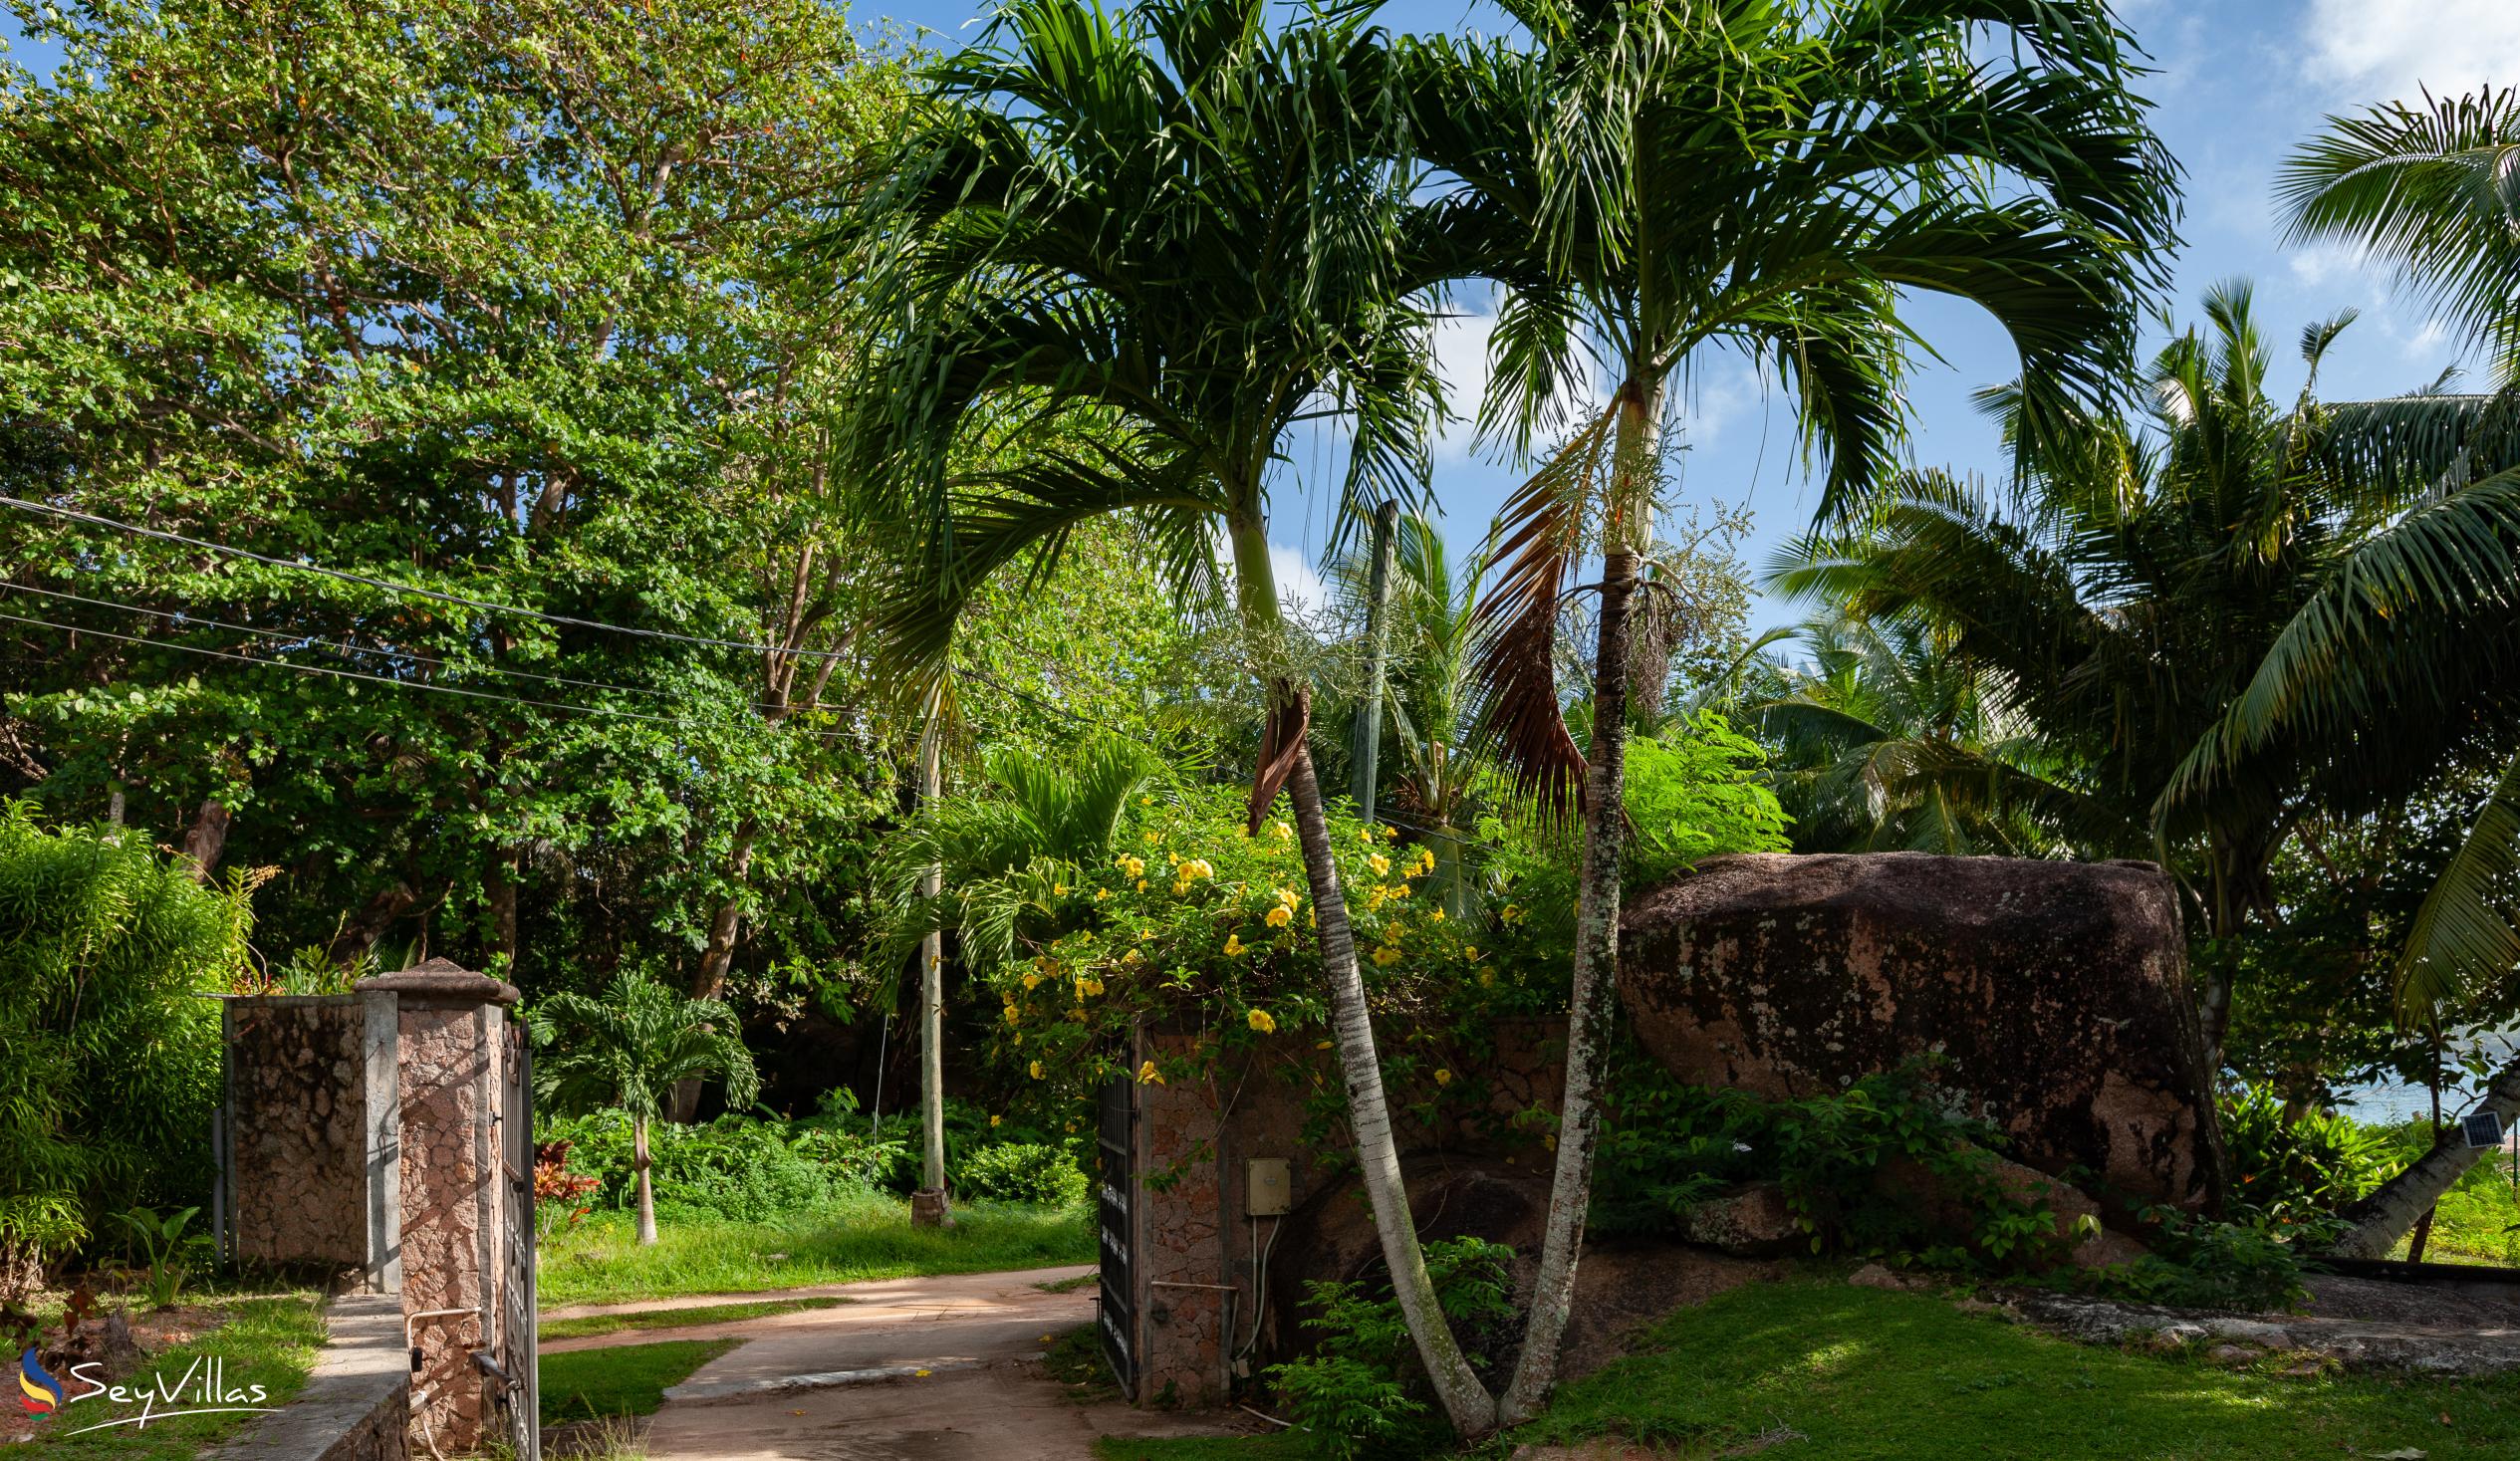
[845, 1384]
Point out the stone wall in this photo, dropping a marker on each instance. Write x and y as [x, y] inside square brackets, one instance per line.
[1199, 1255]
[358, 1403]
[303, 1114]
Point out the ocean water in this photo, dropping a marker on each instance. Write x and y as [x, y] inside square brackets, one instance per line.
[2384, 1104]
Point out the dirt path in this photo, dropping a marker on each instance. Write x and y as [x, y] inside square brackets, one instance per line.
[844, 1385]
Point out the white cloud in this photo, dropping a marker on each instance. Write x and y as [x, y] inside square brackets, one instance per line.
[2370, 51]
[1462, 359]
[1300, 585]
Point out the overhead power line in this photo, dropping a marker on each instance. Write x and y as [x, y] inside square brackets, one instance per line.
[390, 587]
[678, 722]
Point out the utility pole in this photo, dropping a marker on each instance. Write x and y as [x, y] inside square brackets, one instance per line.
[929, 1206]
[1365, 737]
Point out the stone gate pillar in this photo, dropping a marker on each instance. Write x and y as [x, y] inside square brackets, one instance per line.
[450, 1030]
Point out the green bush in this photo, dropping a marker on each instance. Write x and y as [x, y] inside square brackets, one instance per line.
[738, 1167]
[2296, 1174]
[112, 1061]
[1362, 1391]
[1020, 1173]
[1666, 1145]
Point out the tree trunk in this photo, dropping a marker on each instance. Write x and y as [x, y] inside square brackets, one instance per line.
[206, 839]
[2389, 1214]
[718, 956]
[647, 1190]
[928, 1209]
[1465, 1401]
[502, 895]
[1597, 910]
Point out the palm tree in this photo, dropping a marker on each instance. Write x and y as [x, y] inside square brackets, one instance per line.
[625, 1050]
[1431, 640]
[1885, 742]
[1147, 246]
[2134, 585]
[2416, 631]
[1665, 176]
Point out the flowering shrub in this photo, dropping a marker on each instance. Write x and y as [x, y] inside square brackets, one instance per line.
[557, 1189]
[1200, 925]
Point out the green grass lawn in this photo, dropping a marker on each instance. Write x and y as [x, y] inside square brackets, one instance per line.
[269, 1340]
[1862, 1374]
[677, 1319]
[867, 1237]
[626, 1379]
[2478, 1221]
[1814, 1369]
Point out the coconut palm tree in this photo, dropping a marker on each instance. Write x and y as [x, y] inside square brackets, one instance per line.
[2133, 587]
[625, 1051]
[2417, 629]
[1884, 742]
[1667, 176]
[1146, 247]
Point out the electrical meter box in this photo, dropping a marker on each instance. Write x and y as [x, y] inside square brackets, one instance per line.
[1268, 1186]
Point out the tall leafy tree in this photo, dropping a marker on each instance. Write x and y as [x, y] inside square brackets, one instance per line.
[481, 299]
[627, 1049]
[1156, 241]
[1664, 177]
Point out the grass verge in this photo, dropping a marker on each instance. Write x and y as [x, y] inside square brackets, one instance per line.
[627, 1380]
[1069, 1285]
[1075, 1360]
[267, 1341]
[677, 1318]
[869, 1237]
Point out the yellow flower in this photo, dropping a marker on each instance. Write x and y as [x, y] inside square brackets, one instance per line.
[1037, 1070]
[1148, 1072]
[1321, 1045]
[1512, 913]
[1014, 1016]
[1392, 934]
[1101, 894]
[1391, 834]
[1379, 863]
[1443, 1078]
[1487, 979]
[1233, 944]
[1471, 951]
[1131, 956]
[1073, 1125]
[1196, 869]
[1155, 839]
[1145, 801]
[1290, 897]
[1133, 866]
[1141, 885]
[1281, 831]
[1435, 918]
[1364, 835]
[1077, 1015]
[1261, 1021]
[997, 1120]
[1387, 956]
[1181, 889]
[1276, 917]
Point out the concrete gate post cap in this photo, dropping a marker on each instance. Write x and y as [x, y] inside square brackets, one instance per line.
[444, 979]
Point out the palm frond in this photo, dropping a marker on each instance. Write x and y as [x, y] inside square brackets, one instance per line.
[2463, 934]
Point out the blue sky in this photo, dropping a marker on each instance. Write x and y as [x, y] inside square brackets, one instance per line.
[2239, 83]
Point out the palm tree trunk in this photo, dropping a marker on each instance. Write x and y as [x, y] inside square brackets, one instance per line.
[1597, 908]
[647, 1190]
[2391, 1213]
[927, 1206]
[1465, 1401]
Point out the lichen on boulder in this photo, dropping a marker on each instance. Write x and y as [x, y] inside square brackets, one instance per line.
[2054, 993]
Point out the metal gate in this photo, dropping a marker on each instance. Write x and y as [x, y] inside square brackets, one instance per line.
[1118, 1145]
[519, 1405]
